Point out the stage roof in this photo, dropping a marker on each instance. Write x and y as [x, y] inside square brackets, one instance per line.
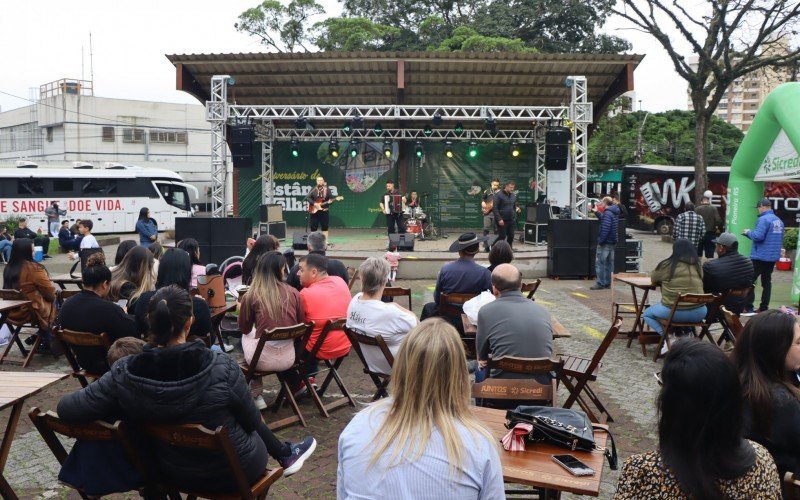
[408, 78]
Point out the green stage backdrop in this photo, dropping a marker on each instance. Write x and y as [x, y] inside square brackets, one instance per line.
[453, 186]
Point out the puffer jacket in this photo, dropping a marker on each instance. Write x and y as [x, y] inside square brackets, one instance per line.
[767, 237]
[731, 270]
[187, 383]
[608, 226]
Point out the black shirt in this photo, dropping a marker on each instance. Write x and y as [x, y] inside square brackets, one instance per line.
[202, 315]
[505, 205]
[315, 195]
[26, 233]
[335, 268]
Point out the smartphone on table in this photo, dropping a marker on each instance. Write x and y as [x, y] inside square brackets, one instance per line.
[573, 465]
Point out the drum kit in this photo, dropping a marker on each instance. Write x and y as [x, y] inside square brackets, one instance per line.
[417, 223]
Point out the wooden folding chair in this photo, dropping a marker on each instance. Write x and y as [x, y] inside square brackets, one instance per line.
[529, 367]
[352, 272]
[695, 299]
[451, 305]
[620, 309]
[197, 437]
[515, 389]
[333, 375]
[63, 295]
[29, 323]
[391, 292]
[733, 322]
[250, 372]
[791, 486]
[530, 288]
[381, 380]
[48, 424]
[715, 315]
[579, 371]
[98, 344]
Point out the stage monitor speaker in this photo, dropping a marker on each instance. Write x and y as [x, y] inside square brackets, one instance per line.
[404, 242]
[568, 262]
[538, 214]
[270, 213]
[241, 144]
[556, 148]
[198, 228]
[276, 229]
[534, 233]
[218, 253]
[300, 241]
[569, 233]
[230, 230]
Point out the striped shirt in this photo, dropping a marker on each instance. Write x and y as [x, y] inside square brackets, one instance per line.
[690, 225]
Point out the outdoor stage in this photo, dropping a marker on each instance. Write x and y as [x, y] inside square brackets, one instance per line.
[352, 246]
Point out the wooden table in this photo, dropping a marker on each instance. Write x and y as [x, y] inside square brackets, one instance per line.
[7, 306]
[535, 467]
[217, 315]
[559, 332]
[63, 280]
[643, 283]
[15, 388]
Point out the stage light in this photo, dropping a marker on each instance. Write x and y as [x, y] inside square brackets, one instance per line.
[437, 118]
[459, 128]
[301, 123]
[515, 151]
[387, 148]
[472, 151]
[448, 149]
[490, 124]
[427, 131]
[294, 147]
[333, 148]
[419, 151]
[346, 128]
[354, 146]
[378, 129]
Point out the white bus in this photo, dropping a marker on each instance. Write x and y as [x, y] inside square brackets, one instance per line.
[110, 196]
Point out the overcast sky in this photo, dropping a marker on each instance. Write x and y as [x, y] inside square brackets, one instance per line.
[44, 41]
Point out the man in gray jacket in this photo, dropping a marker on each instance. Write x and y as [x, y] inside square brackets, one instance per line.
[512, 325]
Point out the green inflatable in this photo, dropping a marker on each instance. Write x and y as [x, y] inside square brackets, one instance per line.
[780, 111]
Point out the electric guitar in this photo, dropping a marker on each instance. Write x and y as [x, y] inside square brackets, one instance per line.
[487, 205]
[322, 205]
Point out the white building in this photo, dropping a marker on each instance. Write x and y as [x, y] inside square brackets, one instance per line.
[69, 123]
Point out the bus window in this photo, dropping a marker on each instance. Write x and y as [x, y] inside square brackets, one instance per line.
[100, 186]
[62, 185]
[177, 196]
[30, 186]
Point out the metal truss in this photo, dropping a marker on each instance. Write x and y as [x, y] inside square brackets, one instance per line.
[265, 134]
[401, 113]
[216, 114]
[318, 134]
[580, 114]
[541, 172]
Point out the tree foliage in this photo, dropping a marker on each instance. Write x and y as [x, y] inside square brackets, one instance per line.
[353, 34]
[667, 139]
[282, 27]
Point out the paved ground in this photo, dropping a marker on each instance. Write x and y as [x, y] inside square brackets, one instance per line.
[626, 385]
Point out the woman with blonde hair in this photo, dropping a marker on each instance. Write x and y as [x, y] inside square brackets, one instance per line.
[423, 440]
[133, 276]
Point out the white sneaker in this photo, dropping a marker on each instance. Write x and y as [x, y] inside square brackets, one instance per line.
[665, 347]
[228, 347]
[260, 403]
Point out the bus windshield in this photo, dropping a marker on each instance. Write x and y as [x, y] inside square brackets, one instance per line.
[177, 196]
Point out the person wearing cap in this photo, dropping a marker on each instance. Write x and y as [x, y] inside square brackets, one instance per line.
[729, 271]
[713, 223]
[767, 240]
[463, 275]
[39, 239]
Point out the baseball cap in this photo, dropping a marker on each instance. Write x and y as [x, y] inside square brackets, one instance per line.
[725, 239]
[764, 203]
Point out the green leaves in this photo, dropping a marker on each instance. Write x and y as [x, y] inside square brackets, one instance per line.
[282, 27]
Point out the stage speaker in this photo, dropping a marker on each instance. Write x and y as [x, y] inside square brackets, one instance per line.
[534, 233]
[271, 213]
[556, 148]
[568, 262]
[404, 242]
[198, 228]
[538, 213]
[230, 231]
[241, 144]
[276, 229]
[300, 241]
[569, 233]
[218, 253]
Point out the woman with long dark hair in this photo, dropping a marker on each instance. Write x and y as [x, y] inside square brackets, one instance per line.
[767, 355]
[701, 452]
[133, 276]
[122, 250]
[193, 249]
[146, 227]
[179, 382]
[678, 274]
[265, 243]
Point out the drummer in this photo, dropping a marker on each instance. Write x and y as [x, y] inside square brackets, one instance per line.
[415, 211]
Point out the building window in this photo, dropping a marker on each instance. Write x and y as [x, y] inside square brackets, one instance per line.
[168, 137]
[49, 134]
[108, 134]
[62, 185]
[723, 105]
[133, 135]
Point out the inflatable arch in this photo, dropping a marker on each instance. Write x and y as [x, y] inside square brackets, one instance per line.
[769, 152]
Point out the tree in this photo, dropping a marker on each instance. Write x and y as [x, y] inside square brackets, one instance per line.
[731, 39]
[353, 34]
[667, 139]
[280, 27]
[467, 39]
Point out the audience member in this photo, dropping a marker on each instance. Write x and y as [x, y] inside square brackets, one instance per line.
[730, 270]
[606, 243]
[88, 240]
[623, 212]
[39, 239]
[713, 224]
[157, 249]
[463, 275]
[122, 347]
[122, 250]
[265, 243]
[74, 228]
[147, 228]
[317, 245]
[701, 452]
[269, 303]
[324, 298]
[368, 315]
[191, 247]
[90, 312]
[68, 241]
[679, 273]
[31, 278]
[436, 449]
[175, 269]
[500, 253]
[132, 277]
[5, 242]
[180, 382]
[689, 225]
[767, 354]
[767, 243]
[512, 325]
[393, 257]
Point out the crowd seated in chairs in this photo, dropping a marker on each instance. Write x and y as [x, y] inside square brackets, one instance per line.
[318, 245]
[132, 277]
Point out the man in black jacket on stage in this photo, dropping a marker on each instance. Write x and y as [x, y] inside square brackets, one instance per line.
[505, 212]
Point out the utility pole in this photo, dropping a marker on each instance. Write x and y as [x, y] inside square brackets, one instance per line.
[637, 156]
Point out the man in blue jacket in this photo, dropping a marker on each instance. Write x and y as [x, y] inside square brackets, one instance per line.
[767, 242]
[606, 241]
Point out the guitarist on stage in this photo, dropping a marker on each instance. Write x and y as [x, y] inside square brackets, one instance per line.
[486, 208]
[319, 199]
